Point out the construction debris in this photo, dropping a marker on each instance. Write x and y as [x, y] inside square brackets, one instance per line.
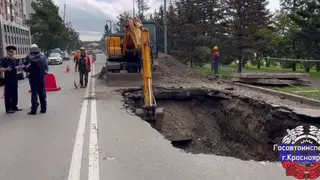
[273, 79]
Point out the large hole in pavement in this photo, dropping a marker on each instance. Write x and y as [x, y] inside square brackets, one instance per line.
[220, 123]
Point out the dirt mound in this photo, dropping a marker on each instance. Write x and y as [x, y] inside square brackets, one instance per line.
[221, 123]
[173, 71]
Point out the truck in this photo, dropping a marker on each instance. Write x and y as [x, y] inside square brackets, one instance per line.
[16, 35]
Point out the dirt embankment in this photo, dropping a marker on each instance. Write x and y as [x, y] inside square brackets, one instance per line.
[176, 74]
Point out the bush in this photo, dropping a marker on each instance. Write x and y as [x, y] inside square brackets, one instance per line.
[202, 55]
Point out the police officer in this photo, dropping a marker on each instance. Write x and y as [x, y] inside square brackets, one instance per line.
[10, 65]
[37, 72]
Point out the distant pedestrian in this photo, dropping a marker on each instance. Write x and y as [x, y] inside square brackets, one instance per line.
[9, 65]
[215, 61]
[84, 67]
[37, 72]
[75, 59]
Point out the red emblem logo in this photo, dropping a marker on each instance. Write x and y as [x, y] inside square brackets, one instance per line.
[300, 152]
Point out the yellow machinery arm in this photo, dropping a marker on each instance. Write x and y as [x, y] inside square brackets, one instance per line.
[149, 99]
[140, 37]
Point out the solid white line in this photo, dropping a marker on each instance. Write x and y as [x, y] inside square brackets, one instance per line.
[75, 167]
[93, 173]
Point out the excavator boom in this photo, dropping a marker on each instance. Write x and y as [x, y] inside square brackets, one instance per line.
[137, 63]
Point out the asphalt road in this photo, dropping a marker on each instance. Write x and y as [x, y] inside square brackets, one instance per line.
[95, 138]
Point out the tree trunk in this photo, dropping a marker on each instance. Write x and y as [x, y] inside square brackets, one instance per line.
[294, 66]
[240, 64]
[318, 67]
[268, 62]
[307, 67]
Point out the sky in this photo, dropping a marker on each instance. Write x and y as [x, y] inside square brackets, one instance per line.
[88, 17]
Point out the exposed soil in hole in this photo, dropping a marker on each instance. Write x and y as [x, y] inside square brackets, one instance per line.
[220, 123]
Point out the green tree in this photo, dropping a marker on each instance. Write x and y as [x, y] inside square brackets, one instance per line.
[308, 20]
[119, 27]
[142, 8]
[73, 38]
[47, 27]
[107, 30]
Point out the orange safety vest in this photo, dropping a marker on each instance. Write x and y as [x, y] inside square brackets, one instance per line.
[88, 63]
[77, 55]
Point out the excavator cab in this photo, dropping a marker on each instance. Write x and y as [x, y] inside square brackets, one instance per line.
[114, 52]
[125, 59]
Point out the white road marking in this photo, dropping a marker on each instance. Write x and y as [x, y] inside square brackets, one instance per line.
[75, 167]
[93, 173]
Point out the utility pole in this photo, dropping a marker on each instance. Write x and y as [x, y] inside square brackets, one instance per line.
[133, 9]
[64, 13]
[165, 26]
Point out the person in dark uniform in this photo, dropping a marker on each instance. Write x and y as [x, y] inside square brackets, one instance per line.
[43, 57]
[37, 73]
[9, 65]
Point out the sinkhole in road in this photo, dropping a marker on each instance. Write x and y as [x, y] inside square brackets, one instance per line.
[205, 121]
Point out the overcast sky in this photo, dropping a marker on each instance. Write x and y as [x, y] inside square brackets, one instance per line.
[89, 16]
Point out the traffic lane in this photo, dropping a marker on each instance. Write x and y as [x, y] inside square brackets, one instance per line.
[40, 147]
[131, 149]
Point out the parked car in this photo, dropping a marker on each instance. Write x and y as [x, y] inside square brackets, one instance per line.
[66, 56]
[55, 58]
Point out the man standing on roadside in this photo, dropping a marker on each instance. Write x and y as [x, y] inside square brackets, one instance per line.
[37, 72]
[42, 56]
[9, 65]
[84, 67]
[215, 61]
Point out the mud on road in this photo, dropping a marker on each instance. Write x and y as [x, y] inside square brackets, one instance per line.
[221, 123]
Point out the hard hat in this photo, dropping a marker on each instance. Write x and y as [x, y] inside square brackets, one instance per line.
[215, 48]
[82, 48]
[78, 51]
[34, 46]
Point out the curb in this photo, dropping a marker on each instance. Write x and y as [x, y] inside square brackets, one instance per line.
[293, 97]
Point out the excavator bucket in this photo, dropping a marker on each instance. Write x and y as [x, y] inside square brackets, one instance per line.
[124, 79]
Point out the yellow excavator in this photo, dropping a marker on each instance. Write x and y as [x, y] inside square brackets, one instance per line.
[130, 62]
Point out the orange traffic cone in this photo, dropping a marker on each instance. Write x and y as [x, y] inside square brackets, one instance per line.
[67, 68]
[51, 83]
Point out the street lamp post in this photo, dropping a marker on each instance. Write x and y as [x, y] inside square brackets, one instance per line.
[133, 9]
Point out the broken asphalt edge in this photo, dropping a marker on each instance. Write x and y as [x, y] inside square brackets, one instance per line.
[293, 97]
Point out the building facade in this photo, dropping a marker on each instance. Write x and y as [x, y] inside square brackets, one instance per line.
[13, 29]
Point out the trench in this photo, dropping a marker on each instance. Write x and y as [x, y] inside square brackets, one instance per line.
[214, 122]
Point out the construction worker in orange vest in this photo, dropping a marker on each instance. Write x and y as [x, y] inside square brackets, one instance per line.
[215, 60]
[84, 67]
[76, 56]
